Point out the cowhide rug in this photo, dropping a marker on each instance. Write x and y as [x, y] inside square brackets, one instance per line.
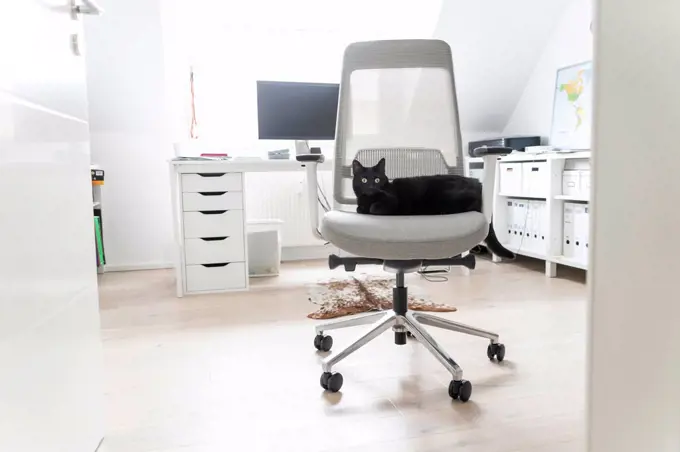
[363, 293]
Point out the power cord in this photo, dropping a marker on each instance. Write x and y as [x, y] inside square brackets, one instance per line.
[438, 277]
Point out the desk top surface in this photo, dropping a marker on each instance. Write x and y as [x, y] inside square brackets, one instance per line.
[244, 165]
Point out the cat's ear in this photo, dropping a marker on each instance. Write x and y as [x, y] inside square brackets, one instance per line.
[357, 167]
[380, 167]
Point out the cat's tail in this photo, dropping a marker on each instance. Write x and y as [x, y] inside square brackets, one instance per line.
[495, 246]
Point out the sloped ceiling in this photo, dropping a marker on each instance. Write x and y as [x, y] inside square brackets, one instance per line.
[496, 45]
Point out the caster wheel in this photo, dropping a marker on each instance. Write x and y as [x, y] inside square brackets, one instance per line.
[331, 381]
[323, 343]
[496, 351]
[460, 390]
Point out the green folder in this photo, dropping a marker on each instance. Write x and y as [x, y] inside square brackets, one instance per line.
[99, 239]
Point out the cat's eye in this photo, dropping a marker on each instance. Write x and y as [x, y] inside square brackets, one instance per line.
[377, 180]
[364, 180]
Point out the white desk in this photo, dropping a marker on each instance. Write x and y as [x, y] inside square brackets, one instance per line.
[209, 218]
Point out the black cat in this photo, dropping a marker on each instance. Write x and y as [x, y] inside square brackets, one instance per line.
[423, 195]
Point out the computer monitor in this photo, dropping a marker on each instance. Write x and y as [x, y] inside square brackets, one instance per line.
[297, 111]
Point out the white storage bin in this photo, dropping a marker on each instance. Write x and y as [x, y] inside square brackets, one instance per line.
[571, 183]
[264, 247]
[511, 179]
[535, 179]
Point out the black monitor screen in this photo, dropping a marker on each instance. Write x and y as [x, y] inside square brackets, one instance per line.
[297, 111]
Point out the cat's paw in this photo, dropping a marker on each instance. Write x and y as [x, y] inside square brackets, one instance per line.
[378, 208]
[363, 209]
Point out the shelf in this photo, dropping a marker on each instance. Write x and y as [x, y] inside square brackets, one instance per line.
[569, 261]
[506, 195]
[574, 198]
[525, 252]
[544, 156]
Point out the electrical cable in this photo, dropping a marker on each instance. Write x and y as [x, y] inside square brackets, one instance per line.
[328, 205]
[428, 274]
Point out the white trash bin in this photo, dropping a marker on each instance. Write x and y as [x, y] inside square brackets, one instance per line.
[264, 247]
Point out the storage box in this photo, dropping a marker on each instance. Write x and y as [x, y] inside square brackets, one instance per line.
[264, 247]
[571, 183]
[511, 179]
[535, 179]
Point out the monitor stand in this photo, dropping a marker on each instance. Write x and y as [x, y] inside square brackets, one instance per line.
[302, 147]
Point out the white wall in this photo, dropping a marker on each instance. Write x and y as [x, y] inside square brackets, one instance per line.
[495, 45]
[635, 308]
[131, 138]
[570, 43]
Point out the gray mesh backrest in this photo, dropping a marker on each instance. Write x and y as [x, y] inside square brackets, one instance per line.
[398, 102]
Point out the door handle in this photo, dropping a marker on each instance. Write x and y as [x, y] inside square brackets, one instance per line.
[88, 7]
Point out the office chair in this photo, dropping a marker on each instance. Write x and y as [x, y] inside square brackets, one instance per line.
[398, 102]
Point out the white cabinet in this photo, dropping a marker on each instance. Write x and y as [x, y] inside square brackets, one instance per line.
[541, 207]
[209, 229]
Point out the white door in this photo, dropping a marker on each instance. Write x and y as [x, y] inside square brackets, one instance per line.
[50, 349]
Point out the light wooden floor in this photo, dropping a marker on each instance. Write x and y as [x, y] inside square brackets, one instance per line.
[239, 372]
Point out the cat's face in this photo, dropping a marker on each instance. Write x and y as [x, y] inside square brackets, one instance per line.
[368, 180]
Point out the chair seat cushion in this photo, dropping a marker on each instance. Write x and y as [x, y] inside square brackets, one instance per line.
[404, 237]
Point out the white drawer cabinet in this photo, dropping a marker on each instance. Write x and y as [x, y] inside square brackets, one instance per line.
[210, 230]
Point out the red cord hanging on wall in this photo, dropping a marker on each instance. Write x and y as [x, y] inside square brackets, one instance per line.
[193, 130]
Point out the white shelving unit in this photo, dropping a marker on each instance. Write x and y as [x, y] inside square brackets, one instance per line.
[534, 183]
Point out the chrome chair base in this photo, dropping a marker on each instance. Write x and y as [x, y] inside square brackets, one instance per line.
[413, 322]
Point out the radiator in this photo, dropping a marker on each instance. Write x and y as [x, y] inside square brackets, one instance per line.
[283, 196]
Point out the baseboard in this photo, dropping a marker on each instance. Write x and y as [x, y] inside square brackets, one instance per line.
[134, 267]
[306, 253]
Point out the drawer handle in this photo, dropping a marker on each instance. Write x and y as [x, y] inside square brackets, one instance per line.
[211, 193]
[215, 265]
[214, 239]
[213, 212]
[211, 174]
[534, 169]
